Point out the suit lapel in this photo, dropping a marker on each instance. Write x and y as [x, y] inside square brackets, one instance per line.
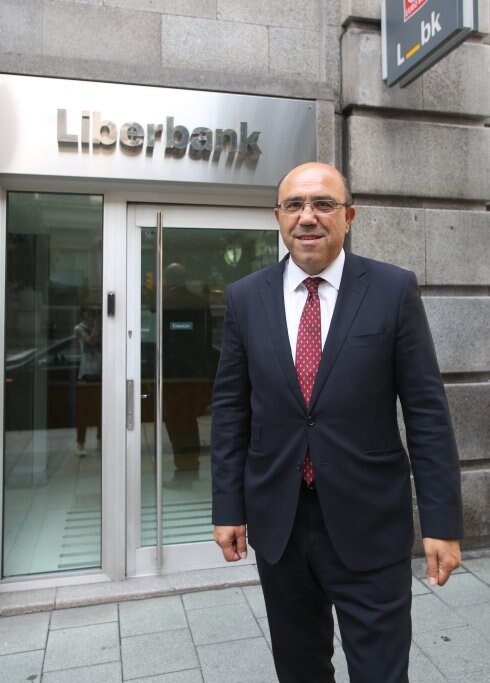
[352, 289]
[272, 294]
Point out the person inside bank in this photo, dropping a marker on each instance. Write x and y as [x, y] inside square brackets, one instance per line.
[307, 457]
[187, 373]
[88, 395]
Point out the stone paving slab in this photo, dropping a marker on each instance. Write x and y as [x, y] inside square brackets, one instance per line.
[421, 669]
[188, 676]
[211, 625]
[455, 651]
[264, 627]
[255, 599]
[480, 567]
[83, 616]
[247, 661]
[478, 616]
[482, 676]
[340, 664]
[157, 653]
[82, 646]
[23, 633]
[23, 666]
[220, 633]
[98, 673]
[152, 615]
[430, 613]
[419, 587]
[462, 589]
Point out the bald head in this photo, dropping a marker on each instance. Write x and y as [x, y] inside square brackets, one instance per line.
[322, 170]
[174, 275]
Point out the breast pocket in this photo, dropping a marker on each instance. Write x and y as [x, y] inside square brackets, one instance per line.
[369, 339]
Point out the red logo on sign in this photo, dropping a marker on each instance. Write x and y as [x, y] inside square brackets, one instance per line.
[410, 7]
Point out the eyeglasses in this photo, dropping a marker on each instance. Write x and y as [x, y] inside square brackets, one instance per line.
[292, 207]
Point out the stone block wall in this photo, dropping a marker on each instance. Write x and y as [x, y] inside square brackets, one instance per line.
[418, 157]
[418, 160]
[270, 47]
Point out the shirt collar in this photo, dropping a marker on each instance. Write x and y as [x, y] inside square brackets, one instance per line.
[332, 273]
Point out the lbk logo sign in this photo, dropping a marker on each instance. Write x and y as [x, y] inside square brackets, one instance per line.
[411, 6]
[417, 33]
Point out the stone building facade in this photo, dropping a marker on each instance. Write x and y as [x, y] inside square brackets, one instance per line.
[418, 158]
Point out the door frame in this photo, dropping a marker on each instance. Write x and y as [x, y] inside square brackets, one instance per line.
[117, 197]
[185, 556]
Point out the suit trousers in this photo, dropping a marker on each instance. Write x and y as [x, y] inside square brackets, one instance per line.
[373, 608]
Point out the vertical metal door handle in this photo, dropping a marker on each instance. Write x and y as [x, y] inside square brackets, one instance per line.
[129, 404]
[159, 383]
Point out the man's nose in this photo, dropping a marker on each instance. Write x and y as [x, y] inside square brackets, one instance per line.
[307, 214]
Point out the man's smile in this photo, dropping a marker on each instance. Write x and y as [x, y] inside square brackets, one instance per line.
[308, 237]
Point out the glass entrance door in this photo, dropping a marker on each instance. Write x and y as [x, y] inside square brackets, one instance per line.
[52, 485]
[180, 260]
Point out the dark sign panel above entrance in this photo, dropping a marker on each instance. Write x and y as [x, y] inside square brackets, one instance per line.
[418, 33]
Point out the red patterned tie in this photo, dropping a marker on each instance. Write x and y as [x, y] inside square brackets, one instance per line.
[309, 353]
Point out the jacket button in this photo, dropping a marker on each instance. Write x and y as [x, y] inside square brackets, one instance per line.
[310, 421]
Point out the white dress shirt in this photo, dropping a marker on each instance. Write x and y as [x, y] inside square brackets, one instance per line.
[295, 294]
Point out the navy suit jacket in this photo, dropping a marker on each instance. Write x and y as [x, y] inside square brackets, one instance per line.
[378, 348]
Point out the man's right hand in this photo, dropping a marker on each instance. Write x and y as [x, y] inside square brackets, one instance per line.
[233, 541]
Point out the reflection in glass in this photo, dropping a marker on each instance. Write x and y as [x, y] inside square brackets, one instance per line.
[52, 480]
[88, 396]
[198, 265]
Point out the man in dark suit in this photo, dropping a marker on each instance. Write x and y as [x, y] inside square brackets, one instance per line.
[338, 530]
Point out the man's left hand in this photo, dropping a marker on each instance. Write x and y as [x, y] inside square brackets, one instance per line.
[443, 556]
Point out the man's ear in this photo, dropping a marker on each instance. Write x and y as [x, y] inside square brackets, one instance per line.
[350, 214]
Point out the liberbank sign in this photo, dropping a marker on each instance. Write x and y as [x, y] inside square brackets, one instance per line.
[54, 127]
[418, 33]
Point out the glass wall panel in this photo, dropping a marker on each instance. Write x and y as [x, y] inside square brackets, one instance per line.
[53, 363]
[198, 265]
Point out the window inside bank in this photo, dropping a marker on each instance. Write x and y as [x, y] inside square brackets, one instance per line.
[52, 391]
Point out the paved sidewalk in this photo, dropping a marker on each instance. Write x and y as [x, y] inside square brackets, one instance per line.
[176, 634]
